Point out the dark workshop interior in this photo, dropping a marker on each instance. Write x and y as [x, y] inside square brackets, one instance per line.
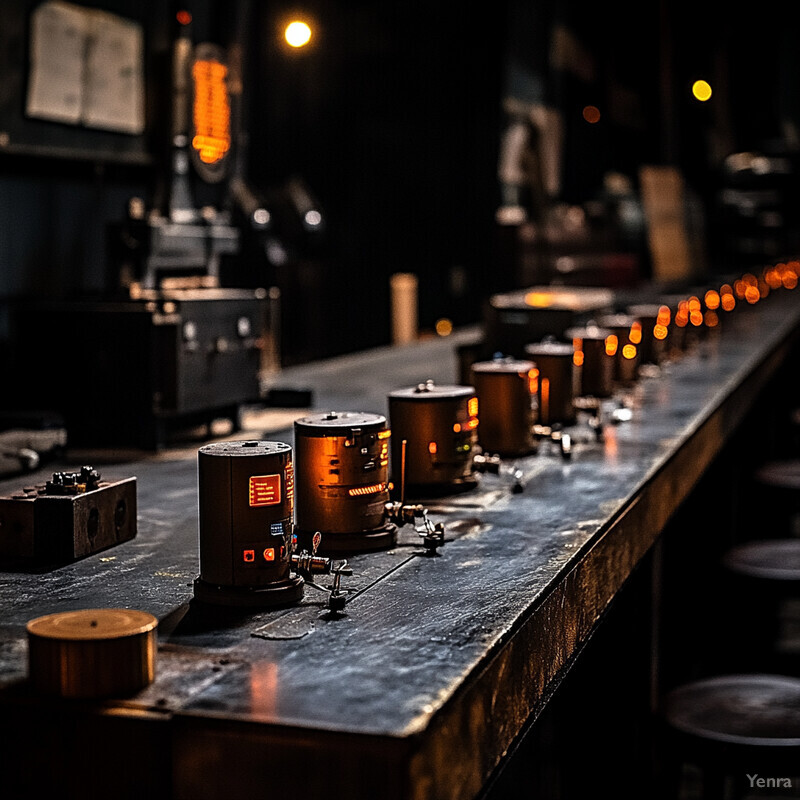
[399, 400]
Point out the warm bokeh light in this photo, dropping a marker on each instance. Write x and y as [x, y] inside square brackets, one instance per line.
[297, 33]
[752, 294]
[533, 381]
[635, 334]
[712, 299]
[538, 299]
[444, 327]
[611, 344]
[711, 319]
[629, 351]
[701, 90]
[183, 17]
[591, 114]
[211, 111]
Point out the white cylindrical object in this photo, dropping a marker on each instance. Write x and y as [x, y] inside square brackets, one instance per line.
[404, 307]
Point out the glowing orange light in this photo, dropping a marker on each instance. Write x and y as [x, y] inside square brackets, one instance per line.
[681, 319]
[384, 434]
[696, 318]
[711, 319]
[629, 351]
[772, 278]
[635, 334]
[432, 448]
[611, 344]
[752, 294]
[578, 358]
[457, 427]
[538, 299]
[693, 304]
[660, 331]
[533, 381]
[360, 491]
[739, 288]
[545, 390]
[664, 315]
[728, 302]
[591, 114]
[472, 407]
[789, 280]
[444, 327]
[471, 424]
[211, 112]
[269, 554]
[248, 556]
[712, 299]
[183, 17]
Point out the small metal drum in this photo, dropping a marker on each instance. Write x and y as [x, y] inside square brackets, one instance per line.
[652, 347]
[505, 388]
[434, 434]
[624, 350]
[556, 389]
[342, 477]
[593, 365]
[246, 524]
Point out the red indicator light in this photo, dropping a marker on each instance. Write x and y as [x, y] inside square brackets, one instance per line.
[183, 17]
[269, 554]
[248, 556]
[265, 490]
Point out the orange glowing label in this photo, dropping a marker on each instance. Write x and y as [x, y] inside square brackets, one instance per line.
[384, 434]
[265, 490]
[269, 554]
[248, 556]
[212, 113]
[472, 407]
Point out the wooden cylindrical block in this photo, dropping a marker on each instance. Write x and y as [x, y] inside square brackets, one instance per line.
[92, 653]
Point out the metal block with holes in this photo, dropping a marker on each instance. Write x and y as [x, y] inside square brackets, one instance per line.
[71, 516]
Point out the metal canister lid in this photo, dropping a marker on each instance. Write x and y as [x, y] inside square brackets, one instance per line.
[589, 333]
[338, 423]
[249, 447]
[503, 365]
[428, 391]
[549, 349]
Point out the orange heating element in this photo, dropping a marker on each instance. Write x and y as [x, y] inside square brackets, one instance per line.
[212, 113]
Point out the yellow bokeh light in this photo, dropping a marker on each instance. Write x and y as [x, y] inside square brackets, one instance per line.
[701, 90]
[444, 327]
[297, 33]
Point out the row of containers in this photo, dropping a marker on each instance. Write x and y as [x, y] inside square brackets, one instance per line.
[354, 478]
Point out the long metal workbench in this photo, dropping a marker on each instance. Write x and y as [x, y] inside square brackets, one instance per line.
[439, 663]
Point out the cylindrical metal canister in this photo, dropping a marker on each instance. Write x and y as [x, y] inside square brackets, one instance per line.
[620, 345]
[246, 524]
[593, 365]
[556, 389]
[342, 480]
[505, 388]
[434, 434]
[652, 345]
